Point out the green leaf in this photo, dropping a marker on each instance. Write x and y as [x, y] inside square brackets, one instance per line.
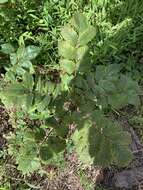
[66, 50]
[119, 89]
[106, 72]
[56, 144]
[18, 95]
[102, 142]
[13, 58]
[21, 53]
[18, 70]
[67, 66]
[43, 103]
[133, 99]
[28, 136]
[118, 101]
[10, 75]
[28, 101]
[81, 51]
[86, 36]
[45, 153]
[25, 54]
[69, 35]
[28, 80]
[66, 79]
[25, 63]
[80, 139]
[102, 102]
[39, 134]
[60, 130]
[7, 48]
[15, 89]
[123, 156]
[108, 86]
[28, 166]
[80, 22]
[103, 157]
[31, 52]
[26, 153]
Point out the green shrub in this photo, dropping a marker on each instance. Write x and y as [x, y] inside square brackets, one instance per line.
[80, 95]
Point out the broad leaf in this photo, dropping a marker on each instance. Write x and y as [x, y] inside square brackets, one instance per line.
[122, 155]
[10, 76]
[66, 50]
[56, 144]
[45, 153]
[86, 36]
[99, 142]
[39, 134]
[66, 79]
[69, 35]
[67, 66]
[15, 89]
[7, 48]
[28, 80]
[81, 51]
[28, 166]
[104, 72]
[133, 98]
[80, 22]
[117, 100]
[80, 139]
[31, 52]
[13, 58]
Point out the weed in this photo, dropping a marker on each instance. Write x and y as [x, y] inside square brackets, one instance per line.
[69, 63]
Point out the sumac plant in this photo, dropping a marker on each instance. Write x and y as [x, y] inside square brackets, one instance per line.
[82, 95]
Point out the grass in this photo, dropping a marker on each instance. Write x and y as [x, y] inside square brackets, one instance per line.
[118, 24]
[119, 34]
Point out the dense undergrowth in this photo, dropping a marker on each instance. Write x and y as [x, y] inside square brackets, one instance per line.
[68, 63]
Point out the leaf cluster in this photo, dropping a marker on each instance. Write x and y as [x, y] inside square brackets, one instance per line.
[82, 96]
